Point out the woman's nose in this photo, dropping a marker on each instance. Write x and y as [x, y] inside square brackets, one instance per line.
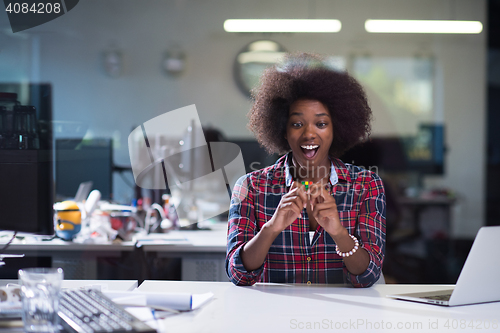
[309, 131]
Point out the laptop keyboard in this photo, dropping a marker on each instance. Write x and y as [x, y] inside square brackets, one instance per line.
[445, 297]
[90, 311]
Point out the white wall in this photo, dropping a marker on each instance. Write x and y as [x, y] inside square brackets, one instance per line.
[69, 51]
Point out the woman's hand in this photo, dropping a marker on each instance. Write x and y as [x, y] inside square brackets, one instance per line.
[289, 208]
[324, 209]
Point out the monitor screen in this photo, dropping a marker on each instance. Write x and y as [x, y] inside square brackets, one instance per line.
[79, 161]
[255, 157]
[425, 151]
[422, 153]
[379, 154]
[26, 169]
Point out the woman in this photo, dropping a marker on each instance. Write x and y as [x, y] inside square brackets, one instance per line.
[309, 218]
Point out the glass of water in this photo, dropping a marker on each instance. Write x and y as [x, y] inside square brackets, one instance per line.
[40, 293]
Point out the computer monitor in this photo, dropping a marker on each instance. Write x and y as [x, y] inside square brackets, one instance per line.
[425, 151]
[79, 161]
[422, 153]
[379, 154]
[26, 182]
[254, 155]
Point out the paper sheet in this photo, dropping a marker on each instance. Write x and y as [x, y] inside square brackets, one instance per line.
[176, 301]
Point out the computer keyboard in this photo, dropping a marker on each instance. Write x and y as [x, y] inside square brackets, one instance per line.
[444, 297]
[90, 311]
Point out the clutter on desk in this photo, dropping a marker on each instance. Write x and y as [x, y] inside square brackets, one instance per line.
[10, 293]
[10, 302]
[10, 306]
[93, 221]
[68, 215]
[67, 220]
[100, 221]
[430, 194]
[152, 223]
[169, 206]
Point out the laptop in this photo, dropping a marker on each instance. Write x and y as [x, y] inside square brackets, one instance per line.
[83, 191]
[478, 279]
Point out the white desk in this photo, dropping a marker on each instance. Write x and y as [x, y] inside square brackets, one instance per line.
[79, 261]
[203, 253]
[291, 308]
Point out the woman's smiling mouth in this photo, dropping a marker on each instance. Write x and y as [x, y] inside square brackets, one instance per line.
[310, 151]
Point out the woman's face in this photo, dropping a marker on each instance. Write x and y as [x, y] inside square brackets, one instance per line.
[309, 132]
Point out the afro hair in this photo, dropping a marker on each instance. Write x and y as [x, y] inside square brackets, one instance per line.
[308, 76]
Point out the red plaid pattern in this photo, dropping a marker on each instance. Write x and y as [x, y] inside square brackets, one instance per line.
[293, 258]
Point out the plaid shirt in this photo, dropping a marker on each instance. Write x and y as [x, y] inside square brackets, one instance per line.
[293, 258]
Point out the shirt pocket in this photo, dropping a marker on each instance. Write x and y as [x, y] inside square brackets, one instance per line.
[349, 218]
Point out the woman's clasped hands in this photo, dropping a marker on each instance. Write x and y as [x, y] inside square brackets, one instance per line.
[324, 209]
[318, 202]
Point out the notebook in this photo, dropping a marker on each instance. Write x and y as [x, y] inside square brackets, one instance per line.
[478, 280]
[83, 191]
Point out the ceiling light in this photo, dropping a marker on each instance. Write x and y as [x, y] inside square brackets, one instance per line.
[282, 26]
[423, 26]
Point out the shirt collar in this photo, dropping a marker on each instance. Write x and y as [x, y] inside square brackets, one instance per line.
[342, 170]
[288, 176]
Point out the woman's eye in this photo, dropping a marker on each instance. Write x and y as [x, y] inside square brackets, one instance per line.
[296, 124]
[321, 125]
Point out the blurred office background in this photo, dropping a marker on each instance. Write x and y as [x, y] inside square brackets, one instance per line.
[112, 65]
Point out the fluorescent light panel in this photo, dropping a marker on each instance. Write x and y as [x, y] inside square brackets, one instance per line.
[423, 26]
[306, 26]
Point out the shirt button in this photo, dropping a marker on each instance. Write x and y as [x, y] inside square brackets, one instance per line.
[308, 258]
[308, 282]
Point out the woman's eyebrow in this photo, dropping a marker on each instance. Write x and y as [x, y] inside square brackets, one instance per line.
[322, 114]
[301, 114]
